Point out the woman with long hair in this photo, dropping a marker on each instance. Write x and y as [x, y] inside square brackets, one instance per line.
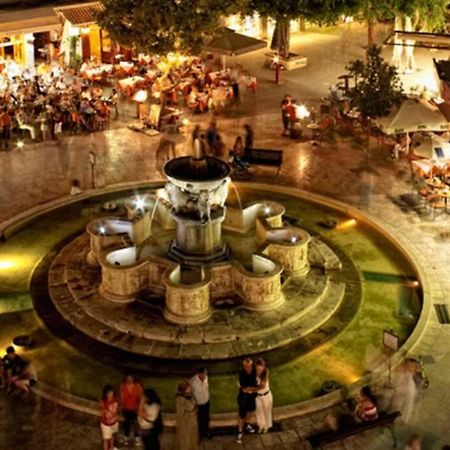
[109, 417]
[187, 422]
[150, 419]
[264, 398]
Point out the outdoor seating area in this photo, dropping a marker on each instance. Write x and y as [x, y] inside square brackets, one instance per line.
[40, 104]
[200, 84]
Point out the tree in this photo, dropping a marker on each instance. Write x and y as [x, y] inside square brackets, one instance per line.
[160, 27]
[379, 87]
[283, 11]
[429, 15]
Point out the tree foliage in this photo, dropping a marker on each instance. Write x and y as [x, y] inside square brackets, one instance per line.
[159, 27]
[324, 12]
[378, 88]
[319, 11]
[428, 15]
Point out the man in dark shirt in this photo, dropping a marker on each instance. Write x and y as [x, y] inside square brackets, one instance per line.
[13, 366]
[246, 400]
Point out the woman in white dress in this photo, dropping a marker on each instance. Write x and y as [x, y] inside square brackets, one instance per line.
[264, 399]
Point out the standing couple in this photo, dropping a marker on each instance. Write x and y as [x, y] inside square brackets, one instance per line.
[254, 396]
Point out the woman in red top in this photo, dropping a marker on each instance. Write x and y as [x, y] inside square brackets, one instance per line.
[130, 395]
[109, 417]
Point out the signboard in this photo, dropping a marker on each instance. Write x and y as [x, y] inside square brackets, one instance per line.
[390, 340]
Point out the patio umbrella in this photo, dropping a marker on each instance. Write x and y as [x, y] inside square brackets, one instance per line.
[413, 115]
[230, 43]
[433, 147]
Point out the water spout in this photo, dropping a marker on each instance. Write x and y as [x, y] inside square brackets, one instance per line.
[236, 193]
[153, 213]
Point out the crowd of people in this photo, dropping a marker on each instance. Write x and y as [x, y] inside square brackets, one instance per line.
[39, 105]
[200, 82]
[140, 409]
[209, 142]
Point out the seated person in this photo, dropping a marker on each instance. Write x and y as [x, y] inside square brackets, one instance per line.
[366, 407]
[13, 366]
[25, 378]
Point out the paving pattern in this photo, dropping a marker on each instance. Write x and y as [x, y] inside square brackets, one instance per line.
[41, 172]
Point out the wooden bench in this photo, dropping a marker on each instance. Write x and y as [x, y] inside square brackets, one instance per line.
[322, 438]
[261, 156]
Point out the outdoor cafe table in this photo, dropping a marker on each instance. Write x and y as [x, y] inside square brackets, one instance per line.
[435, 183]
[217, 76]
[314, 127]
[98, 72]
[126, 66]
[129, 84]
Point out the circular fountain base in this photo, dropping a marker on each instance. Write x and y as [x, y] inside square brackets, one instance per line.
[311, 308]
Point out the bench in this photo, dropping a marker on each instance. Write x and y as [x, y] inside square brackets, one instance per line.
[322, 438]
[261, 156]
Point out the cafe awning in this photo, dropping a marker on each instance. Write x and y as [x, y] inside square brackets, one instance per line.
[33, 20]
[413, 115]
[230, 43]
[81, 15]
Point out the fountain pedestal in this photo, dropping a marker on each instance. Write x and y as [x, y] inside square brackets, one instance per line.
[197, 190]
[199, 242]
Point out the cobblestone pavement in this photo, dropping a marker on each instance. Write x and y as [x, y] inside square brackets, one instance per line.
[41, 172]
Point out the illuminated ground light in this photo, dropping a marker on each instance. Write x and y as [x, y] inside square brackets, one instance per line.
[6, 264]
[20, 144]
[347, 224]
[15, 262]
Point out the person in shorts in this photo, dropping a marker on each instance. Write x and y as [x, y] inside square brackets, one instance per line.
[109, 417]
[246, 399]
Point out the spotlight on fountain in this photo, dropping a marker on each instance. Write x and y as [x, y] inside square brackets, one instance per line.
[139, 203]
[102, 230]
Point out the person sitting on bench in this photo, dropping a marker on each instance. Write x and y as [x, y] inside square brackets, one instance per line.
[366, 408]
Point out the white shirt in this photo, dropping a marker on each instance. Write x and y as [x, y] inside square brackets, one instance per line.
[200, 390]
[150, 415]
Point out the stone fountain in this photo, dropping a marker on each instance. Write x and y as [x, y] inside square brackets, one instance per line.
[206, 278]
[197, 190]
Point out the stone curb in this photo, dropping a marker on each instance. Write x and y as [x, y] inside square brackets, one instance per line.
[283, 412]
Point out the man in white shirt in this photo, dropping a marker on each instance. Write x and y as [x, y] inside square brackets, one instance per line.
[200, 391]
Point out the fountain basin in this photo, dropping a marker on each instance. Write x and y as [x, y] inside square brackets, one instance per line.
[194, 175]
